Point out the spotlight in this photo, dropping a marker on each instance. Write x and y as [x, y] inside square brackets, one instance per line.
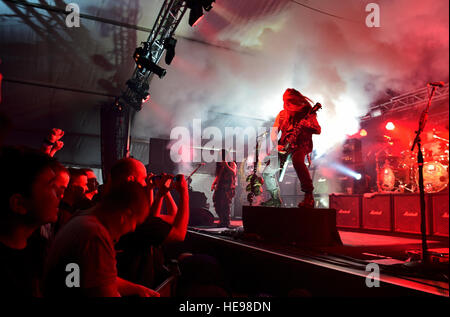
[196, 11]
[207, 4]
[169, 45]
[136, 94]
[197, 7]
[346, 170]
[146, 98]
[145, 63]
[390, 126]
[375, 113]
[363, 133]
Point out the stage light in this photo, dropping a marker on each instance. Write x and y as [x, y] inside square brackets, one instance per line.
[146, 98]
[390, 126]
[207, 4]
[346, 171]
[169, 45]
[145, 63]
[376, 113]
[197, 7]
[136, 94]
[196, 11]
[363, 133]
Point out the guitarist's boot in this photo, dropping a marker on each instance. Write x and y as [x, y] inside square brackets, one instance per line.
[308, 201]
[274, 201]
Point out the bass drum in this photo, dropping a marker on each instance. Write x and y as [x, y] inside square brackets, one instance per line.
[386, 179]
[435, 177]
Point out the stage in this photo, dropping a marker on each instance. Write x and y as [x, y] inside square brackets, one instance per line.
[257, 267]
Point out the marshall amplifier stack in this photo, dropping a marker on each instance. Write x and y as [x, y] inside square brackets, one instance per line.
[392, 212]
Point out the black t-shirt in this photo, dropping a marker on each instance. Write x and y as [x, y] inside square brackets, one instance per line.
[140, 258]
[16, 273]
[151, 233]
[84, 241]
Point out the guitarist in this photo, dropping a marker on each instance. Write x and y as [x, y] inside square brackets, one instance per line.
[297, 125]
[224, 186]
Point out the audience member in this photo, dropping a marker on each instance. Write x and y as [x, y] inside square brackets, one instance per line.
[92, 184]
[176, 220]
[74, 197]
[140, 256]
[52, 143]
[29, 198]
[87, 242]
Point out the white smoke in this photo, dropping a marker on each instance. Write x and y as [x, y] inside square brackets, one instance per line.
[342, 64]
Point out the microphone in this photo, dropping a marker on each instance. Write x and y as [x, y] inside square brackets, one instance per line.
[437, 84]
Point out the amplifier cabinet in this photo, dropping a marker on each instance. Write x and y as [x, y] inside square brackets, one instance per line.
[348, 210]
[407, 213]
[376, 212]
[439, 203]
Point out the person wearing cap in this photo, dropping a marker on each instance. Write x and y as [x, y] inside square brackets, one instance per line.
[297, 125]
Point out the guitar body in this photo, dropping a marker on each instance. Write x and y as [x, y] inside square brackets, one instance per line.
[287, 140]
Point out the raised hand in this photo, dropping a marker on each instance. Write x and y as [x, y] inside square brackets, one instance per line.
[55, 135]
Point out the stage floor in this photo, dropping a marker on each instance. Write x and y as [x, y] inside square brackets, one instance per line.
[391, 252]
[360, 242]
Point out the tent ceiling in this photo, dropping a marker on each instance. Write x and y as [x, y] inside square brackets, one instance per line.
[55, 76]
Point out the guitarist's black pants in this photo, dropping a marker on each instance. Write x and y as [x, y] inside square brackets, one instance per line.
[298, 160]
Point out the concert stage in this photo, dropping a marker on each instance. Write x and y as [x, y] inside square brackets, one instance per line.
[258, 266]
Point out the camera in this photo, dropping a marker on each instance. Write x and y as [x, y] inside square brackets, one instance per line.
[176, 178]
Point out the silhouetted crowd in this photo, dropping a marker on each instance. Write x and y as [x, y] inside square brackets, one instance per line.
[61, 234]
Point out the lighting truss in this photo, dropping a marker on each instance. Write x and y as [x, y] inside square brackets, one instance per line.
[169, 17]
[407, 101]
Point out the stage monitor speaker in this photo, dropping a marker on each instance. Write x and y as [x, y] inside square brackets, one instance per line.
[201, 217]
[407, 213]
[301, 226]
[347, 208]
[376, 212]
[439, 203]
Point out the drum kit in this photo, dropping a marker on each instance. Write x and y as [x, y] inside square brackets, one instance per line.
[399, 173]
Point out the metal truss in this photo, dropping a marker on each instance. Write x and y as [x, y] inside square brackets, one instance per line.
[169, 17]
[406, 101]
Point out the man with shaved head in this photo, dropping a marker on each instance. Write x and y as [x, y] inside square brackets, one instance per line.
[140, 258]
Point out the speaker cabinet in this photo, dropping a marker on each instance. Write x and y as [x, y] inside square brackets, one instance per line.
[348, 210]
[407, 213]
[302, 226]
[439, 202]
[376, 212]
[200, 217]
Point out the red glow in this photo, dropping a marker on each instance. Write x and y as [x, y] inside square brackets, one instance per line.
[146, 99]
[390, 126]
[198, 21]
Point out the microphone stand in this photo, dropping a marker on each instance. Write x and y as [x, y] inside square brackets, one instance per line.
[423, 221]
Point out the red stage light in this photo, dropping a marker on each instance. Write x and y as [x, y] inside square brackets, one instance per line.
[390, 126]
[146, 99]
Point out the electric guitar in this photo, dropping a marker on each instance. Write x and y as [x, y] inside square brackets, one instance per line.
[285, 155]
